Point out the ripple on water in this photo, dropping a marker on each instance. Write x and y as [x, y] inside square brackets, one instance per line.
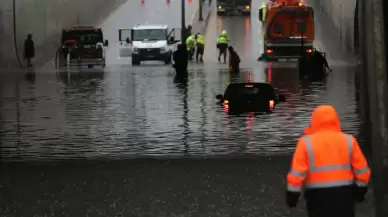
[124, 114]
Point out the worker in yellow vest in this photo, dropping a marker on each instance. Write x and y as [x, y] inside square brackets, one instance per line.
[200, 39]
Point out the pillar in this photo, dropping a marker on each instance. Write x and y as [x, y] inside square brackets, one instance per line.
[377, 92]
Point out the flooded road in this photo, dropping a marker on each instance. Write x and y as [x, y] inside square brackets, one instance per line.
[122, 112]
[132, 112]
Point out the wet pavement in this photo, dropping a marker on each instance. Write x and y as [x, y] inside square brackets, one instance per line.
[126, 112]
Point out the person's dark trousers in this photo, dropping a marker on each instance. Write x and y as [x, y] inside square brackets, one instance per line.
[191, 53]
[181, 73]
[199, 53]
[331, 202]
[28, 60]
[222, 48]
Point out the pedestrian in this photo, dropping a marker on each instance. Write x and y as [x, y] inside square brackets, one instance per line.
[181, 61]
[190, 44]
[320, 61]
[222, 45]
[188, 32]
[200, 39]
[29, 49]
[330, 166]
[234, 60]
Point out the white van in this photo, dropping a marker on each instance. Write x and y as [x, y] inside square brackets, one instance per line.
[150, 42]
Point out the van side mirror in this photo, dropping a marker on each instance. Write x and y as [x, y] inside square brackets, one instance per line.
[282, 98]
[219, 96]
[127, 40]
[106, 43]
[172, 39]
[261, 14]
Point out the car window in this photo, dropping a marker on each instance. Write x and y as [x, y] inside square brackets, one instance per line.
[235, 91]
[149, 35]
[83, 36]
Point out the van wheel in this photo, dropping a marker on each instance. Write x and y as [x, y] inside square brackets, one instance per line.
[135, 61]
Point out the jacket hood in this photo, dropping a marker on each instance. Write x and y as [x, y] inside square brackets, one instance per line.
[324, 117]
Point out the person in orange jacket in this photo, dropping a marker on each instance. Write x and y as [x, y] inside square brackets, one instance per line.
[330, 166]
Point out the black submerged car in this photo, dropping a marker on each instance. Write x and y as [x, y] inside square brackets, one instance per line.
[225, 7]
[250, 97]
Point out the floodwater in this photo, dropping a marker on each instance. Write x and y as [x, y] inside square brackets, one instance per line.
[131, 112]
[92, 116]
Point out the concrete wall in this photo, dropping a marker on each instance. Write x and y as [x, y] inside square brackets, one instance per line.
[45, 19]
[338, 18]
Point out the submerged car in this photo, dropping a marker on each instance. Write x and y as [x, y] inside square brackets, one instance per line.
[81, 46]
[250, 97]
[225, 7]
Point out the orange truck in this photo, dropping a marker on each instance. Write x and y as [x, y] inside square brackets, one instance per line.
[288, 29]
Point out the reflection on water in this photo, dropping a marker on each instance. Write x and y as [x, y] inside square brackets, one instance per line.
[128, 113]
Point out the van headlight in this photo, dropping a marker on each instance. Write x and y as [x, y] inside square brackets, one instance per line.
[135, 49]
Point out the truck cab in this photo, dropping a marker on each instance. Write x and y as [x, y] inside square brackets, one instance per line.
[149, 43]
[289, 30]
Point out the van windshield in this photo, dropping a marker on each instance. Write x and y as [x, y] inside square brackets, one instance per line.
[149, 35]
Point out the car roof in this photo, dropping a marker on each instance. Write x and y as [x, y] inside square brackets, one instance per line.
[137, 27]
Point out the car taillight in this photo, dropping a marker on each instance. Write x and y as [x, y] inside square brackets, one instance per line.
[247, 6]
[271, 104]
[309, 51]
[269, 51]
[226, 102]
[226, 107]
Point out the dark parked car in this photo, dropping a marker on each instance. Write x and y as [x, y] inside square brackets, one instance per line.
[85, 46]
[250, 97]
[225, 7]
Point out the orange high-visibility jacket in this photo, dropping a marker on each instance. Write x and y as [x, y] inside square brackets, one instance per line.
[326, 157]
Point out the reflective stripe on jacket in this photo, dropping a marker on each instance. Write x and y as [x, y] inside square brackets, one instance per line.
[200, 39]
[327, 158]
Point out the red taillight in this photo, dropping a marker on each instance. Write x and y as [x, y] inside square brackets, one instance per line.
[309, 50]
[269, 51]
[226, 107]
[271, 104]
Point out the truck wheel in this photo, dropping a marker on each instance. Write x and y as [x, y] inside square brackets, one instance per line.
[135, 61]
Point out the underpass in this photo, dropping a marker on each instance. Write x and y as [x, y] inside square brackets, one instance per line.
[140, 112]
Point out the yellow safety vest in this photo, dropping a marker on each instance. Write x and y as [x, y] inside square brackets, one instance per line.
[190, 42]
[223, 39]
[200, 39]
